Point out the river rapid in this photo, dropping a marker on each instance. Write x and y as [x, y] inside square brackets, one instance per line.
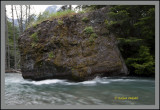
[99, 91]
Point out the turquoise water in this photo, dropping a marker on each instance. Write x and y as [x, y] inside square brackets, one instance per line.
[95, 92]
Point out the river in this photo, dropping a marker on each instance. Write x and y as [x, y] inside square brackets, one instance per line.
[106, 91]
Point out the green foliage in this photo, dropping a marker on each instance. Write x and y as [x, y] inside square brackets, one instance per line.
[144, 63]
[61, 14]
[43, 16]
[51, 55]
[72, 16]
[94, 35]
[11, 42]
[34, 37]
[50, 16]
[33, 44]
[60, 22]
[34, 25]
[88, 30]
[106, 22]
[83, 11]
[85, 19]
[10, 31]
[134, 27]
[31, 21]
[147, 27]
[121, 15]
[130, 40]
[91, 39]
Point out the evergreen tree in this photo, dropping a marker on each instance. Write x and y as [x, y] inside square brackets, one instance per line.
[134, 27]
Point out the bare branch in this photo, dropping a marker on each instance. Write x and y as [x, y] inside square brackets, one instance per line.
[17, 17]
[26, 16]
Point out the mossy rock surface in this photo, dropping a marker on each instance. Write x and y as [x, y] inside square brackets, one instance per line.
[68, 48]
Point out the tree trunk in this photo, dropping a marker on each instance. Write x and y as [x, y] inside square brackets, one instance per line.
[70, 7]
[26, 17]
[21, 20]
[7, 44]
[18, 19]
[15, 60]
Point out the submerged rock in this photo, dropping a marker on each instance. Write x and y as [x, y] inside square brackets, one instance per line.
[70, 47]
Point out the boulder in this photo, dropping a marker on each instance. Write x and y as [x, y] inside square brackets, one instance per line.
[70, 48]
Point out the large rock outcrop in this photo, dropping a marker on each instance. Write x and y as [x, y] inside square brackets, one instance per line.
[76, 47]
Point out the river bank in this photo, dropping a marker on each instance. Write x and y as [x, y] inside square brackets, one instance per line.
[13, 71]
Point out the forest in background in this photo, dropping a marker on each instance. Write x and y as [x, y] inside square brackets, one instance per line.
[133, 26]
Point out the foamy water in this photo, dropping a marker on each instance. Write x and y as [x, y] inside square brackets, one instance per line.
[63, 92]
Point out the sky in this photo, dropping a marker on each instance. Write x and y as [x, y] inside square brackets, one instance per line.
[36, 9]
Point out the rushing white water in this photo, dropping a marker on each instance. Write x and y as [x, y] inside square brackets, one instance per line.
[96, 91]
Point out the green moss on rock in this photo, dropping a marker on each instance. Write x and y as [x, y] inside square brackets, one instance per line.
[85, 19]
[50, 55]
[33, 44]
[88, 30]
[34, 37]
[60, 22]
[94, 35]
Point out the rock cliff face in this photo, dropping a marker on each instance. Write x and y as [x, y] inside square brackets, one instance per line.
[77, 47]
